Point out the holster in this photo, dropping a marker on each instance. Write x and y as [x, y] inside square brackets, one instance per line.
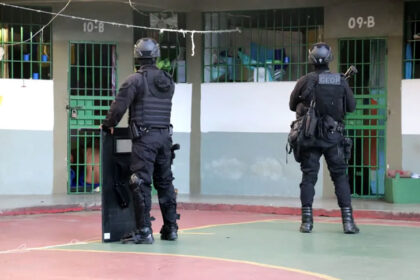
[135, 131]
[328, 127]
[173, 149]
[347, 145]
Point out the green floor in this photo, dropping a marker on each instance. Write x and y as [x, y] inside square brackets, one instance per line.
[379, 252]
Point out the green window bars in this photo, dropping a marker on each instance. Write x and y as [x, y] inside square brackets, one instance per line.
[24, 57]
[367, 125]
[172, 45]
[272, 46]
[92, 88]
[412, 41]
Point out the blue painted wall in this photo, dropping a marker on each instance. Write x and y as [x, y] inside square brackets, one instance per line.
[26, 165]
[411, 153]
[251, 164]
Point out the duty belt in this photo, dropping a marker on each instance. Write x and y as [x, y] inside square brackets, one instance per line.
[148, 128]
[145, 129]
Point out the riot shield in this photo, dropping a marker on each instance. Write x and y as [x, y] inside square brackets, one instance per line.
[117, 207]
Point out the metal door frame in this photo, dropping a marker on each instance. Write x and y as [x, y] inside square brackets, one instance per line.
[376, 189]
[87, 130]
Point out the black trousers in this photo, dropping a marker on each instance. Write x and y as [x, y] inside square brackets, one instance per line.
[336, 165]
[151, 161]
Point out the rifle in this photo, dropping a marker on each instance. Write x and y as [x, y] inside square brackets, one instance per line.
[350, 72]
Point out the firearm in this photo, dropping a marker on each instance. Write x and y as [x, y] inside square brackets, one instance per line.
[173, 149]
[350, 72]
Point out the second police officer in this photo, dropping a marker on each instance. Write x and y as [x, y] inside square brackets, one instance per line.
[331, 98]
[148, 96]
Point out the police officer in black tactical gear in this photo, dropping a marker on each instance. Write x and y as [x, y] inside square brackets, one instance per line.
[331, 98]
[148, 96]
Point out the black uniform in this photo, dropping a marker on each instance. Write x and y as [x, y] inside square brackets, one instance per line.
[333, 98]
[148, 94]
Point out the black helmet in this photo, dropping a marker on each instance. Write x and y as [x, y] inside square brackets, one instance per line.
[146, 48]
[320, 53]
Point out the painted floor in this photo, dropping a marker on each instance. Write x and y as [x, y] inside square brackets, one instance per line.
[212, 245]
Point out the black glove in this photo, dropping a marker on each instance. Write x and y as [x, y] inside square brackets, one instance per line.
[105, 128]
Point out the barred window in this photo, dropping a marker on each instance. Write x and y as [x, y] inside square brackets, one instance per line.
[20, 56]
[272, 45]
[412, 41]
[172, 45]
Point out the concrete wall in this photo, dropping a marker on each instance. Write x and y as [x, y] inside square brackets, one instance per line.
[181, 120]
[194, 66]
[244, 135]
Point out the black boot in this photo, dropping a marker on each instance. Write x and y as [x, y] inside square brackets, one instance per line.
[169, 232]
[142, 236]
[348, 222]
[307, 220]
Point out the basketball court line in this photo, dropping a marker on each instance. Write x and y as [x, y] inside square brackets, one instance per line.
[309, 273]
[23, 248]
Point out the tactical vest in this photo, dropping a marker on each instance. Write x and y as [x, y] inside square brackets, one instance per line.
[152, 105]
[330, 96]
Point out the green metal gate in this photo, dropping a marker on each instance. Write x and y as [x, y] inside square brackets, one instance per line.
[367, 125]
[92, 85]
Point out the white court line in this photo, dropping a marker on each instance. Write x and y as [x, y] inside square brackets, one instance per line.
[22, 248]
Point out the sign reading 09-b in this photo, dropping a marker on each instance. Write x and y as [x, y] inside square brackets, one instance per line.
[91, 26]
[361, 22]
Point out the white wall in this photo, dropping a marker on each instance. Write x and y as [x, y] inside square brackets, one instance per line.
[26, 104]
[26, 136]
[410, 126]
[410, 112]
[181, 108]
[246, 107]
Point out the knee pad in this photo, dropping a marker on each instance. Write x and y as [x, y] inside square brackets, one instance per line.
[135, 183]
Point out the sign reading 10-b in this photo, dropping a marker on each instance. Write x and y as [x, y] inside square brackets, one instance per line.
[361, 22]
[91, 26]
